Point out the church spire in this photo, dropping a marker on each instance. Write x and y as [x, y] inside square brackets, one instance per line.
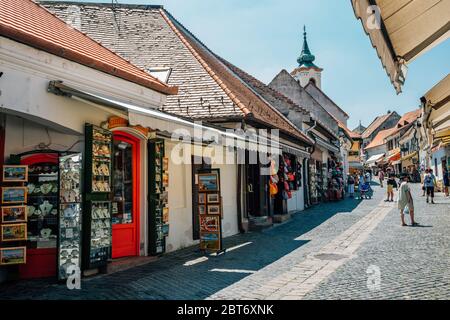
[306, 59]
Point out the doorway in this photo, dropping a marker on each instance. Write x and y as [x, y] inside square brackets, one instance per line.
[198, 165]
[125, 193]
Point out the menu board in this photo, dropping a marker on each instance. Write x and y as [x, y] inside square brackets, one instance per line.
[210, 210]
[70, 215]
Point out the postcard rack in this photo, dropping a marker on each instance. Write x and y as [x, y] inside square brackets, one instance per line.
[97, 216]
[13, 222]
[210, 210]
[158, 184]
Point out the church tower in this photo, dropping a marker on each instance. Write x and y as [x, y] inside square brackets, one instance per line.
[307, 71]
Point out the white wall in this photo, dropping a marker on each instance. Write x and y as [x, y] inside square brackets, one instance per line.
[180, 201]
[438, 155]
[22, 135]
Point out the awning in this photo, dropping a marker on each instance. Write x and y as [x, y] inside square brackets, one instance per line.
[402, 30]
[436, 114]
[394, 157]
[295, 151]
[355, 165]
[409, 156]
[170, 124]
[325, 144]
[373, 159]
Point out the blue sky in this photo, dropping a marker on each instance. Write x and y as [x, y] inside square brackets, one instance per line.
[264, 36]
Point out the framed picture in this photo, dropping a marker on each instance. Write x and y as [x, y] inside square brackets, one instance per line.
[15, 173]
[14, 214]
[213, 198]
[165, 179]
[165, 164]
[214, 209]
[201, 209]
[210, 223]
[165, 214]
[14, 232]
[15, 255]
[210, 241]
[202, 198]
[208, 181]
[14, 195]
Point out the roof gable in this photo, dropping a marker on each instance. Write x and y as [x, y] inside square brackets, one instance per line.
[312, 87]
[376, 123]
[379, 138]
[258, 108]
[287, 85]
[27, 22]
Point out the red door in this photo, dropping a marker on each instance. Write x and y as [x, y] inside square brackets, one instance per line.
[125, 206]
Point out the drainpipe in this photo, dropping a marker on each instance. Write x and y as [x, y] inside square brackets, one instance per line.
[315, 125]
[239, 198]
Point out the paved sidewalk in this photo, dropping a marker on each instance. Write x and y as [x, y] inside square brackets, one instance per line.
[170, 278]
[414, 262]
[326, 250]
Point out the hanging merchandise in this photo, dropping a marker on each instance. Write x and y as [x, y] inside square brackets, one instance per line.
[97, 222]
[70, 208]
[159, 209]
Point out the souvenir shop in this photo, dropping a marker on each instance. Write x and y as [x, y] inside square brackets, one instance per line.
[286, 186]
[335, 190]
[317, 177]
[98, 176]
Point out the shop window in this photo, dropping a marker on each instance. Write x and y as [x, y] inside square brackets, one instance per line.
[122, 211]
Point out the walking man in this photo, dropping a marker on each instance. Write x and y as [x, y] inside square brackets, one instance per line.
[391, 184]
[429, 183]
[381, 177]
[405, 200]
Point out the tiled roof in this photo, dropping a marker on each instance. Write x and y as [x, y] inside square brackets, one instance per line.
[29, 23]
[287, 85]
[409, 117]
[272, 96]
[141, 34]
[346, 130]
[379, 138]
[359, 129]
[312, 84]
[259, 109]
[375, 125]
[150, 37]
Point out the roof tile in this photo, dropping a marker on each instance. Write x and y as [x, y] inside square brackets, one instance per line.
[31, 24]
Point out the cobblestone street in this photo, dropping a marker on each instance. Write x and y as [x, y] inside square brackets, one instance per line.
[322, 253]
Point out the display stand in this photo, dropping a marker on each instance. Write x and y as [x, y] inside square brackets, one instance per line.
[210, 211]
[97, 222]
[13, 222]
[70, 215]
[158, 168]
